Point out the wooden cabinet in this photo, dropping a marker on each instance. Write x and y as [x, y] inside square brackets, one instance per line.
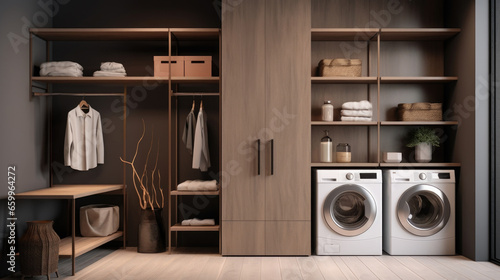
[266, 202]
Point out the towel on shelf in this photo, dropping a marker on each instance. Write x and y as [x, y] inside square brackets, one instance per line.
[197, 185]
[63, 64]
[355, 119]
[109, 74]
[357, 113]
[58, 72]
[361, 105]
[112, 66]
[198, 222]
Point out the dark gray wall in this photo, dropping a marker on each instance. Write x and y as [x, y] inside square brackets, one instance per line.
[24, 123]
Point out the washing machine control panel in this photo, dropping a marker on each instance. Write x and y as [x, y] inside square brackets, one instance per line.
[422, 176]
[349, 176]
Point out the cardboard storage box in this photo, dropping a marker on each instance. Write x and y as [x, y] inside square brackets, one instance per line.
[198, 66]
[162, 66]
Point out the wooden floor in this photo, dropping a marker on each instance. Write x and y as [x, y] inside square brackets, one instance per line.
[128, 264]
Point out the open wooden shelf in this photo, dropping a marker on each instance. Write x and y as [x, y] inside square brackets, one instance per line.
[418, 164]
[84, 244]
[417, 80]
[343, 123]
[417, 34]
[344, 80]
[343, 34]
[340, 164]
[195, 94]
[217, 192]
[69, 191]
[403, 123]
[129, 80]
[179, 227]
[125, 34]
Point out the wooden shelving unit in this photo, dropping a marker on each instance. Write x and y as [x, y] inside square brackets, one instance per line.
[324, 40]
[84, 244]
[177, 36]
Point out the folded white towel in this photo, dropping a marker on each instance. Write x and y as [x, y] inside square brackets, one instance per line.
[355, 119]
[61, 64]
[361, 105]
[109, 74]
[357, 113]
[197, 185]
[198, 222]
[112, 66]
[61, 71]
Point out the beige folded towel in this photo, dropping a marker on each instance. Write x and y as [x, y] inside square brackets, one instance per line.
[361, 105]
[357, 113]
[198, 222]
[355, 119]
[197, 185]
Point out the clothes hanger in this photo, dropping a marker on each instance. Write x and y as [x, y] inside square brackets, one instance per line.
[201, 103]
[192, 108]
[83, 104]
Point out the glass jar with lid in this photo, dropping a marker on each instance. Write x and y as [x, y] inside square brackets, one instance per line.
[343, 152]
[327, 111]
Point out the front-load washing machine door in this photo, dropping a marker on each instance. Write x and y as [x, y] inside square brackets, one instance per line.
[349, 210]
[423, 210]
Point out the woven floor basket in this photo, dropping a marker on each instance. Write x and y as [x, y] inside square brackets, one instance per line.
[420, 112]
[39, 249]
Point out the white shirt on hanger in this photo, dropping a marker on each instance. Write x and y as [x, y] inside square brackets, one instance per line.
[83, 144]
[201, 155]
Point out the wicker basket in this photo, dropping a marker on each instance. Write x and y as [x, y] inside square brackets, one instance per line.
[420, 112]
[340, 67]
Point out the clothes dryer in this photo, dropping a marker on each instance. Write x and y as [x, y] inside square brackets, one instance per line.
[348, 212]
[419, 212]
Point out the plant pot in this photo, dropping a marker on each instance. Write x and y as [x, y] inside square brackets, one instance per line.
[151, 232]
[39, 249]
[423, 152]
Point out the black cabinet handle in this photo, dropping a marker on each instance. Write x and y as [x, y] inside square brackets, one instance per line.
[258, 156]
[272, 156]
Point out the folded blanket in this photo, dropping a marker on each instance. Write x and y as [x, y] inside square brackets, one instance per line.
[61, 64]
[198, 222]
[61, 71]
[361, 105]
[109, 74]
[112, 66]
[197, 185]
[355, 119]
[357, 113]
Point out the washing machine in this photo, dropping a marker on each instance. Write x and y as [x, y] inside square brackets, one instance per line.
[348, 212]
[419, 212]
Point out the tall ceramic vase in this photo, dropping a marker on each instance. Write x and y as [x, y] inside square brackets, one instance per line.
[151, 232]
[423, 152]
[39, 249]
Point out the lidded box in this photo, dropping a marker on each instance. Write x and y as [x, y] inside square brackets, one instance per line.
[162, 66]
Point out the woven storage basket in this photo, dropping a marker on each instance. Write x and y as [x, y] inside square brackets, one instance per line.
[99, 219]
[340, 67]
[420, 111]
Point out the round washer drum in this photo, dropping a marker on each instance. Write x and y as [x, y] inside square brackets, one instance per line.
[423, 210]
[349, 210]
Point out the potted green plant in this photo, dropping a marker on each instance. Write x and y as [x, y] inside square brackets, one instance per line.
[423, 139]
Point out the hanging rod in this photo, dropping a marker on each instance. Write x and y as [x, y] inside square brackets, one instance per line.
[195, 94]
[76, 94]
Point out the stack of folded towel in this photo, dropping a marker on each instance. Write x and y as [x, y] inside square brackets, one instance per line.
[61, 69]
[356, 111]
[197, 185]
[111, 69]
[198, 222]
